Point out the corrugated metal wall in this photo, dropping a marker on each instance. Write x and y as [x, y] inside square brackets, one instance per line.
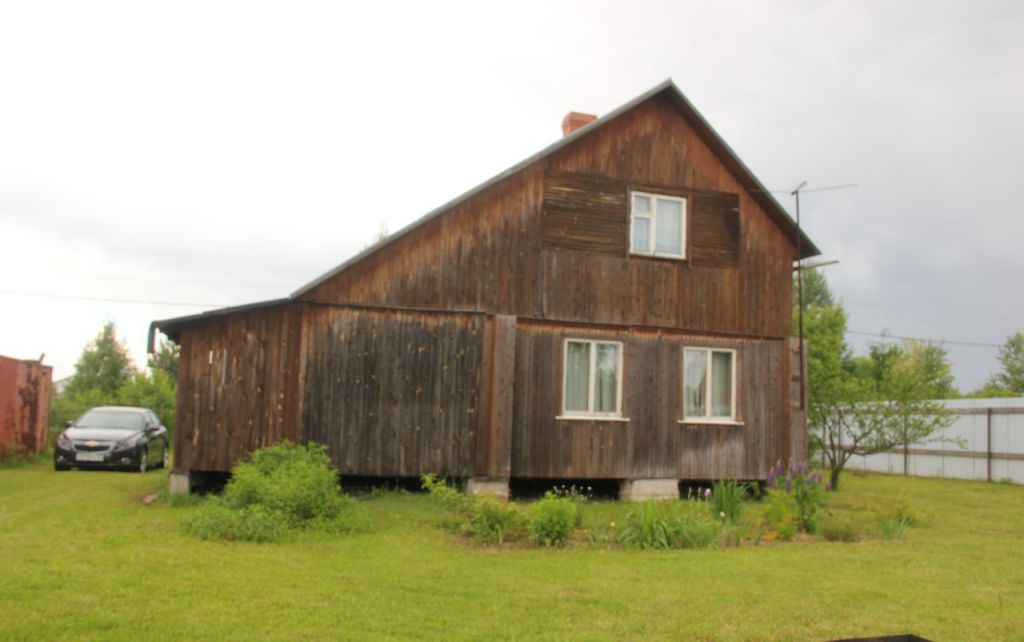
[992, 431]
[24, 406]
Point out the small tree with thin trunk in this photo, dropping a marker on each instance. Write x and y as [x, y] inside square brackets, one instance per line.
[864, 414]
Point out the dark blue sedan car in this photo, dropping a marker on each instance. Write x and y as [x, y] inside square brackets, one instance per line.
[113, 437]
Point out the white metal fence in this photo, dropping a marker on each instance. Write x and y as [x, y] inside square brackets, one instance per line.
[992, 431]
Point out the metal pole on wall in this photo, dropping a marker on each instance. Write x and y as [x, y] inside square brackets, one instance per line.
[800, 299]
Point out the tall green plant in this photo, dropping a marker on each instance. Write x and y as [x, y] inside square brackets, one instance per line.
[806, 490]
[726, 501]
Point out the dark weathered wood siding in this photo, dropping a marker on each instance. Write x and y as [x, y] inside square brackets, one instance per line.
[393, 393]
[481, 255]
[550, 241]
[652, 444]
[441, 351]
[238, 386]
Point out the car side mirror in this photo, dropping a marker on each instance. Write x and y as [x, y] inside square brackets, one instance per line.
[69, 423]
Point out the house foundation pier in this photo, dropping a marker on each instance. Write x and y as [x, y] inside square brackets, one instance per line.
[493, 486]
[637, 490]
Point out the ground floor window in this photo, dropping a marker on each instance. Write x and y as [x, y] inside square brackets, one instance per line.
[593, 378]
[709, 384]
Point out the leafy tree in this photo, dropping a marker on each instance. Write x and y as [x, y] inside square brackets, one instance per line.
[165, 358]
[871, 403]
[931, 364]
[156, 391]
[1011, 356]
[104, 366]
[106, 376]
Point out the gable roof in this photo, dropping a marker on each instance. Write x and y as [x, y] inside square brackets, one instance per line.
[666, 89]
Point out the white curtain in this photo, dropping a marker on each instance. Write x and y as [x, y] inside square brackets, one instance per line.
[606, 387]
[721, 384]
[694, 383]
[577, 376]
[668, 232]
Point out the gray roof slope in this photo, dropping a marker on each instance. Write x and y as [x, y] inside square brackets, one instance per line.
[704, 128]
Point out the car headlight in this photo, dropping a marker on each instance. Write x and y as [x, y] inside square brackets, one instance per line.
[63, 441]
[127, 442]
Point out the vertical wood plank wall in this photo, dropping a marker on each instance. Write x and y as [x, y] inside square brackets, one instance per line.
[652, 444]
[471, 382]
[394, 393]
[237, 386]
[493, 252]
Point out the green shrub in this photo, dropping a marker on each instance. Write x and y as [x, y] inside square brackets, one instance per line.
[486, 519]
[550, 520]
[298, 482]
[726, 501]
[489, 520]
[666, 524]
[839, 530]
[216, 520]
[282, 487]
[648, 525]
[780, 513]
[806, 488]
[894, 527]
[450, 498]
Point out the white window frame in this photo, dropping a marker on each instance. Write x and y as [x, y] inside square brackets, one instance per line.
[592, 382]
[732, 419]
[652, 225]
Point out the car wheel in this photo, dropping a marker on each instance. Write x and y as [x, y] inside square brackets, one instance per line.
[60, 467]
[143, 460]
[166, 459]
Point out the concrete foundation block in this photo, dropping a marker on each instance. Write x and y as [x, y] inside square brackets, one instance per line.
[495, 487]
[637, 490]
[179, 482]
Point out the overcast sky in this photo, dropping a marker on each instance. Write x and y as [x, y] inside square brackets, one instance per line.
[207, 154]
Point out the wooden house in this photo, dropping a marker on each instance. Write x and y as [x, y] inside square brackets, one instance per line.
[617, 306]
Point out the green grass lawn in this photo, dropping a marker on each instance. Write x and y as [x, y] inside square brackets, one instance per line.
[81, 558]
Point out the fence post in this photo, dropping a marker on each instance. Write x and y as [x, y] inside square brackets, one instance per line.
[988, 441]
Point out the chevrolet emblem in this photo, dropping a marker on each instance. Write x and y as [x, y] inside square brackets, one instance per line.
[91, 443]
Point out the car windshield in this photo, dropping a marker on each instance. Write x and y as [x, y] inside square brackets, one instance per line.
[110, 419]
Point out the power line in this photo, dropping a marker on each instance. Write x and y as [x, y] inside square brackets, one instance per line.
[109, 300]
[969, 344]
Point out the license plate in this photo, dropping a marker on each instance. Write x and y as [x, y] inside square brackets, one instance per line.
[88, 456]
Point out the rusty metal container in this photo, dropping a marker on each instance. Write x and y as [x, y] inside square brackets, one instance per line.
[24, 406]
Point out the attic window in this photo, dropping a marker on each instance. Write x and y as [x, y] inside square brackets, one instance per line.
[657, 225]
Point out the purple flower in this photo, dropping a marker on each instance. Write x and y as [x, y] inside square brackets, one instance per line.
[789, 485]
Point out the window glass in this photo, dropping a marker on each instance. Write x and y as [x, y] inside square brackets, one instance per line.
[116, 419]
[694, 382]
[641, 235]
[721, 384]
[606, 386]
[641, 204]
[577, 376]
[669, 227]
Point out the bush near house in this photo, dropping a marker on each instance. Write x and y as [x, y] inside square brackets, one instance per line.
[275, 491]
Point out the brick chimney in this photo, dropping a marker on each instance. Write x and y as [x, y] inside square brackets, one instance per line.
[574, 120]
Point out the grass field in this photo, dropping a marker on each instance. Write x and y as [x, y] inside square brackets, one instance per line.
[82, 558]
